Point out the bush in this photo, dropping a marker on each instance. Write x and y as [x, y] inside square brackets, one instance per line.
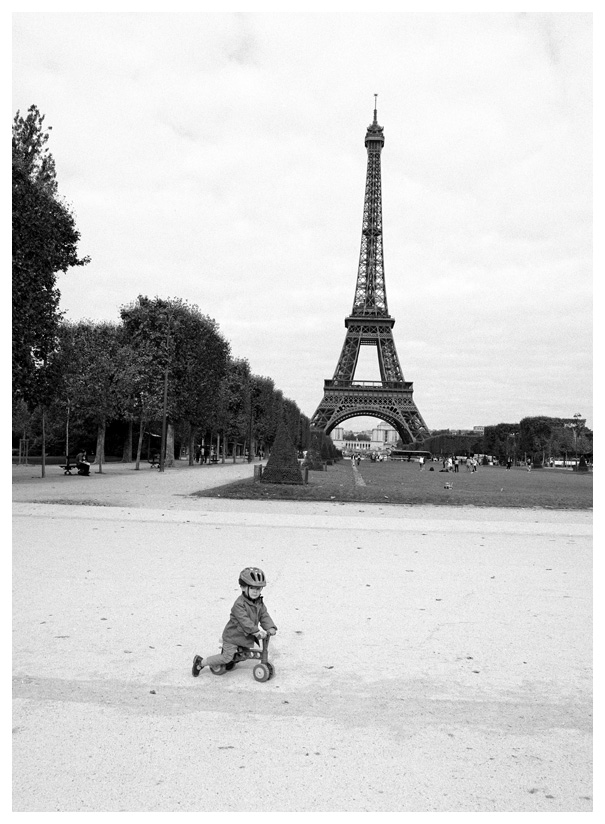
[282, 466]
[314, 459]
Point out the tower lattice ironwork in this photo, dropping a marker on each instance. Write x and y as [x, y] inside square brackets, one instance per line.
[370, 324]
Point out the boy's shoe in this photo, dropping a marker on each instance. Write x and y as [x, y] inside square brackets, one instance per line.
[197, 666]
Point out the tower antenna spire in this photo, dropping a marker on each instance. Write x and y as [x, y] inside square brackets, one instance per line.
[376, 108]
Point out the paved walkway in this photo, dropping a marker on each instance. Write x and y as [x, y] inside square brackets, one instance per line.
[426, 659]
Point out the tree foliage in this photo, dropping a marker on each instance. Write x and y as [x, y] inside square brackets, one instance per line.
[501, 440]
[94, 364]
[235, 394]
[541, 437]
[282, 466]
[313, 458]
[264, 421]
[45, 242]
[173, 337]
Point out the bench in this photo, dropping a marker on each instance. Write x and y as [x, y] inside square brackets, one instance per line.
[69, 467]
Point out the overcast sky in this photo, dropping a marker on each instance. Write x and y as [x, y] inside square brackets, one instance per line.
[220, 158]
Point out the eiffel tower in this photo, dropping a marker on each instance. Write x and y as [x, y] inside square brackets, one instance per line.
[370, 324]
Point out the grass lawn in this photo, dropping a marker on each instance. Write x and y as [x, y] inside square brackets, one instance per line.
[400, 482]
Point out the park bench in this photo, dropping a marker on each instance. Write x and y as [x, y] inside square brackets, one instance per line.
[68, 467]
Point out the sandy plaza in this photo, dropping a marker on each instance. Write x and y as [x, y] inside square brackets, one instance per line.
[427, 659]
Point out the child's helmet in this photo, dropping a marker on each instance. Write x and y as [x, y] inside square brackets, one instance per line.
[252, 577]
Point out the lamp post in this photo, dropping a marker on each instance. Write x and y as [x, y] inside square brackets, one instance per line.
[576, 428]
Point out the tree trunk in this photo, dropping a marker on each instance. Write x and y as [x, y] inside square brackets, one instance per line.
[127, 451]
[191, 445]
[140, 444]
[43, 442]
[67, 435]
[100, 455]
[169, 446]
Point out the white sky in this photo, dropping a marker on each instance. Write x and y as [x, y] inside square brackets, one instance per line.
[220, 158]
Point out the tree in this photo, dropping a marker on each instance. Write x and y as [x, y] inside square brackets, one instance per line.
[262, 411]
[499, 440]
[45, 242]
[235, 397]
[313, 459]
[282, 466]
[172, 341]
[95, 378]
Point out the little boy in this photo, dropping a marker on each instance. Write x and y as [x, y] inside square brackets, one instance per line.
[248, 623]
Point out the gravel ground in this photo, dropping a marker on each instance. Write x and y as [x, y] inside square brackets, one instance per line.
[427, 659]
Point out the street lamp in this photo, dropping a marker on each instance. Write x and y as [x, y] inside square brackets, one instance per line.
[576, 428]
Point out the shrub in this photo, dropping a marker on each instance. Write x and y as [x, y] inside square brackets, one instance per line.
[282, 466]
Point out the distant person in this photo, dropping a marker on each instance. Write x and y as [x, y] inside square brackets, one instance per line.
[509, 463]
[456, 464]
[529, 464]
[450, 464]
[421, 462]
[82, 464]
[249, 621]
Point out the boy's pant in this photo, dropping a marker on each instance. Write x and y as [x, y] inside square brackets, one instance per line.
[223, 657]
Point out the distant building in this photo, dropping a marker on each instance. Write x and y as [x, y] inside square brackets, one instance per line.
[382, 439]
[476, 430]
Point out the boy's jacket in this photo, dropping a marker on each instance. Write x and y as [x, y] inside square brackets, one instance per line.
[243, 622]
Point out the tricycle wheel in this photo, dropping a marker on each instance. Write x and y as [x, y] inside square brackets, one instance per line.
[271, 670]
[261, 672]
[218, 670]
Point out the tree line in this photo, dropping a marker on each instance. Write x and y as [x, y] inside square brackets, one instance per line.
[105, 385]
[537, 438]
[163, 355]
